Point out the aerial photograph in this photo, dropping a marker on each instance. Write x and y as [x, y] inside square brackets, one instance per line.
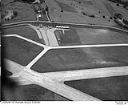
[64, 50]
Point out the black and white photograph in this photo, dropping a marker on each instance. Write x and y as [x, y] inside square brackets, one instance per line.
[64, 50]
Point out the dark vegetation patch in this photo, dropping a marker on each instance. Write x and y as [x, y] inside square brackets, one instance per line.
[24, 31]
[111, 88]
[30, 93]
[19, 50]
[78, 36]
[68, 37]
[81, 58]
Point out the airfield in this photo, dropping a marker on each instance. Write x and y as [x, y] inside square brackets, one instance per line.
[71, 36]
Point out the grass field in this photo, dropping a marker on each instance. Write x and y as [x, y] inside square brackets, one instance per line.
[24, 11]
[30, 93]
[79, 12]
[107, 89]
[81, 58]
[24, 31]
[78, 36]
[87, 12]
[20, 51]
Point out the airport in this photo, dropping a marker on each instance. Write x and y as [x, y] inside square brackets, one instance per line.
[64, 50]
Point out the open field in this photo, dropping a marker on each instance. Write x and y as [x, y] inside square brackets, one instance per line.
[81, 58]
[31, 93]
[79, 11]
[19, 50]
[112, 88]
[79, 36]
[24, 11]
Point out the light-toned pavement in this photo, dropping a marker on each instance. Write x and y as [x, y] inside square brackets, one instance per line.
[52, 82]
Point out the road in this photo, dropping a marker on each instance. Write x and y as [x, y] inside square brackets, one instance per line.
[54, 24]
